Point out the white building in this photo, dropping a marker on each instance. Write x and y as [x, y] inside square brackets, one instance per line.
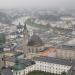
[46, 64]
[52, 65]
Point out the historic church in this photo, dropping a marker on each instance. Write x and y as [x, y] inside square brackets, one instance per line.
[31, 44]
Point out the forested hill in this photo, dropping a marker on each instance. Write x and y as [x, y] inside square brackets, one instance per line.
[4, 18]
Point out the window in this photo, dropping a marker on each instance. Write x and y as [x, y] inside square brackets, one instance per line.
[32, 50]
[29, 50]
[16, 73]
[19, 73]
[40, 49]
[36, 49]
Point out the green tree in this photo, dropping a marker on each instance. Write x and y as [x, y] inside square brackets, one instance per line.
[63, 73]
[40, 73]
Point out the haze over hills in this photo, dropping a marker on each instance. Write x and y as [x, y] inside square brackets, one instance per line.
[37, 4]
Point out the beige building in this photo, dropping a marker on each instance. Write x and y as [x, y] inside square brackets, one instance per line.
[66, 52]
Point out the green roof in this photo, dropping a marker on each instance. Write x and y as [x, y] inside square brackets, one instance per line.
[18, 66]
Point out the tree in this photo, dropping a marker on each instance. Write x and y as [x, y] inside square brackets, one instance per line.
[2, 38]
[63, 73]
[40, 73]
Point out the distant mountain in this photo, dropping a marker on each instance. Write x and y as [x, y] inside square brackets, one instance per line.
[4, 18]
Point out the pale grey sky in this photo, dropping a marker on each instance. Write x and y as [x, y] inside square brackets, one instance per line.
[35, 3]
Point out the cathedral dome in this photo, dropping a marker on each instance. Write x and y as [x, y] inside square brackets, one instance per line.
[35, 41]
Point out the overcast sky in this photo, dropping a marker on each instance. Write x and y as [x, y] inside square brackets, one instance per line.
[36, 3]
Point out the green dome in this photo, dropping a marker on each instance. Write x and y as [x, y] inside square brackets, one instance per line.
[18, 66]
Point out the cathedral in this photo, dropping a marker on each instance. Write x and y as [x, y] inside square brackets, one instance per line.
[31, 44]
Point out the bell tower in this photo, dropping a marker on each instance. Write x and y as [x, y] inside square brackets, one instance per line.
[25, 40]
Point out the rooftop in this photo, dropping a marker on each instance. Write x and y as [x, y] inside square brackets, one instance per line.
[56, 61]
[25, 62]
[46, 52]
[71, 42]
[67, 47]
[6, 71]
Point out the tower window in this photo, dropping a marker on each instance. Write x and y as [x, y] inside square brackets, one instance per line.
[19, 73]
[16, 73]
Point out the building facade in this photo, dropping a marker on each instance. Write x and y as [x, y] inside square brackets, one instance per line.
[46, 64]
[31, 44]
[66, 52]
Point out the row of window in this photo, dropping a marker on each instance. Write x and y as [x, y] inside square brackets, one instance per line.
[53, 68]
[53, 65]
[34, 49]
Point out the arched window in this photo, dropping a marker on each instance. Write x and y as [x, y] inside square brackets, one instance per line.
[40, 49]
[32, 50]
[19, 73]
[16, 73]
[29, 50]
[36, 50]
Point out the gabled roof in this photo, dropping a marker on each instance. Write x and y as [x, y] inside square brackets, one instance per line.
[57, 61]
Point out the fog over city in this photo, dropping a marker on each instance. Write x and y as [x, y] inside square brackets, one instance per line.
[37, 3]
[37, 37]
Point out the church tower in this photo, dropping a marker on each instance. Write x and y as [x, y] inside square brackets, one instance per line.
[25, 40]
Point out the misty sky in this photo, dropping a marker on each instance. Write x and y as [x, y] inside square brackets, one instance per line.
[36, 3]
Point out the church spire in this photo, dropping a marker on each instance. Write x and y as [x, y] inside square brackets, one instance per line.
[25, 27]
[25, 39]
